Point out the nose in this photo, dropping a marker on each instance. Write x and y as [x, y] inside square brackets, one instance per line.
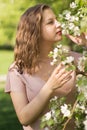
[57, 23]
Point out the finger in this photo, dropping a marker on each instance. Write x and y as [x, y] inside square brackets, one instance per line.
[65, 75]
[63, 72]
[84, 38]
[83, 35]
[61, 83]
[60, 73]
[64, 81]
[58, 68]
[72, 38]
[77, 39]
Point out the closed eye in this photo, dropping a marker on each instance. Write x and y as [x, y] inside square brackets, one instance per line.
[50, 22]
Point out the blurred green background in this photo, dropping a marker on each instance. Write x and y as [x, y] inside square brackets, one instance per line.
[10, 11]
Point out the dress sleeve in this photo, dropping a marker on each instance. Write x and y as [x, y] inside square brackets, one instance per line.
[14, 82]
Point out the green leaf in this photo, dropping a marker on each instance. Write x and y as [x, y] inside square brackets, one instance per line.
[42, 124]
[50, 122]
[71, 67]
[83, 24]
[80, 97]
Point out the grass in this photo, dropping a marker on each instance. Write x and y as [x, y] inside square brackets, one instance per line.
[6, 58]
[8, 118]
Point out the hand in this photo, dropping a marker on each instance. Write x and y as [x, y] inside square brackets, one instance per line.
[67, 87]
[79, 40]
[59, 77]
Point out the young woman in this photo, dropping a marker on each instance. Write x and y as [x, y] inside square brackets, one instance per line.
[31, 80]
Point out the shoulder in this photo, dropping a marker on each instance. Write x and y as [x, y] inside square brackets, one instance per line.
[13, 74]
[12, 67]
[14, 80]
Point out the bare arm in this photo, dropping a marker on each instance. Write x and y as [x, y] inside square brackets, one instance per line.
[28, 112]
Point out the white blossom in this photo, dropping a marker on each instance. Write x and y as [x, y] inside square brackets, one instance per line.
[51, 52]
[81, 62]
[73, 5]
[67, 16]
[64, 32]
[63, 62]
[52, 63]
[77, 33]
[54, 98]
[65, 111]
[46, 128]
[71, 26]
[79, 76]
[72, 19]
[78, 13]
[54, 115]
[59, 46]
[55, 55]
[85, 124]
[76, 28]
[55, 60]
[86, 37]
[63, 25]
[56, 50]
[81, 16]
[65, 50]
[48, 115]
[77, 18]
[82, 107]
[68, 60]
[86, 111]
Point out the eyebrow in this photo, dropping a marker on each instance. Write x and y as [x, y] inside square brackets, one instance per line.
[49, 19]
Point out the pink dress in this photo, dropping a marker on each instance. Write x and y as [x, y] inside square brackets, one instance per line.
[25, 83]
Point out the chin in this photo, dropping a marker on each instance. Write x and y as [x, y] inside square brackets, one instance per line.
[59, 38]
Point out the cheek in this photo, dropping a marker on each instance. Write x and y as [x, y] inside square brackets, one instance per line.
[47, 33]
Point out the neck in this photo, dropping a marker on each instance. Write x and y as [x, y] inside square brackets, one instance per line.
[45, 48]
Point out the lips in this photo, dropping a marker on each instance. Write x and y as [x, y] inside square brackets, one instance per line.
[59, 32]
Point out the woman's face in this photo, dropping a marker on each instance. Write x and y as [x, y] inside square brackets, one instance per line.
[50, 27]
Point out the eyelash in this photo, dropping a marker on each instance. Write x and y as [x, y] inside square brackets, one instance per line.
[51, 22]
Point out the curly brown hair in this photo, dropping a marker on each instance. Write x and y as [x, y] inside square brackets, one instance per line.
[26, 51]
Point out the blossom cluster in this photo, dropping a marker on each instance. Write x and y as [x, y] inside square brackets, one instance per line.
[61, 54]
[60, 113]
[73, 21]
[82, 63]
